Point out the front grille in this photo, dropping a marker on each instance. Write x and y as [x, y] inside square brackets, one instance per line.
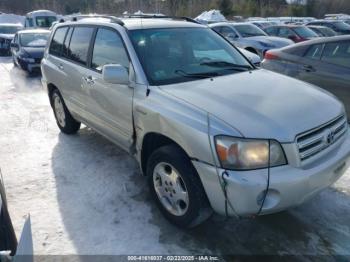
[314, 141]
[37, 60]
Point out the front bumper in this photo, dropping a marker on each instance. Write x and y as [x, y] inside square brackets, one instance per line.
[288, 186]
[29, 66]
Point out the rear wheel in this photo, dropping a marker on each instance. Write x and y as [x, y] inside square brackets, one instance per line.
[176, 187]
[64, 119]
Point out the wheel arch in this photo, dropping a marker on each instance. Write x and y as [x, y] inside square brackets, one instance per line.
[151, 142]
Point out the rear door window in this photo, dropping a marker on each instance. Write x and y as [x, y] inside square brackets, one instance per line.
[57, 41]
[66, 42]
[108, 49]
[271, 30]
[285, 32]
[314, 52]
[79, 44]
[337, 53]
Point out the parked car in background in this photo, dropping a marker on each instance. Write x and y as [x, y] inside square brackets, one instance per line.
[253, 58]
[324, 62]
[263, 24]
[322, 31]
[338, 26]
[7, 32]
[40, 19]
[28, 48]
[209, 130]
[249, 37]
[296, 33]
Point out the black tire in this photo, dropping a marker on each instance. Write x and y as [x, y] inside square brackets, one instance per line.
[70, 125]
[198, 209]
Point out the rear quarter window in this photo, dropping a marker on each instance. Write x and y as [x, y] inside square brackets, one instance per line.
[57, 41]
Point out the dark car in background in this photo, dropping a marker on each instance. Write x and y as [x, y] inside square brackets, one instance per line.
[338, 26]
[296, 33]
[7, 32]
[322, 31]
[249, 37]
[324, 62]
[28, 48]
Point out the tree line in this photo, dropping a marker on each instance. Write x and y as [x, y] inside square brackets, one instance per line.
[192, 8]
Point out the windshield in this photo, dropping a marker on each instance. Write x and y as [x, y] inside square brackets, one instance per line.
[185, 54]
[249, 30]
[305, 32]
[34, 40]
[11, 30]
[45, 21]
[342, 26]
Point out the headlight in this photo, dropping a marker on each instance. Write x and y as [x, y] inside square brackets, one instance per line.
[247, 154]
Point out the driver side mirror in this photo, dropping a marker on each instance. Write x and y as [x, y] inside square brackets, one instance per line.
[115, 74]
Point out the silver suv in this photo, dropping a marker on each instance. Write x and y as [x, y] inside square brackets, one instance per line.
[210, 131]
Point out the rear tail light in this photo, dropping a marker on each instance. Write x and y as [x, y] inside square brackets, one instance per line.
[270, 56]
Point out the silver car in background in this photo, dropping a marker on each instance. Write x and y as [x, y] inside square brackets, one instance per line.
[324, 62]
[249, 37]
[209, 130]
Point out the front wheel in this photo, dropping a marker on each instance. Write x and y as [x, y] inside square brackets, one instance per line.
[64, 119]
[176, 187]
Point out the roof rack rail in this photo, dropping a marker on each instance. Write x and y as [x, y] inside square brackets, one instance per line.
[112, 18]
[187, 19]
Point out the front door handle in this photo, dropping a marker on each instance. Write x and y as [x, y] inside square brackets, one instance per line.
[89, 80]
[60, 67]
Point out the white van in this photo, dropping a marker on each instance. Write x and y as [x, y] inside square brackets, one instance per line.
[40, 19]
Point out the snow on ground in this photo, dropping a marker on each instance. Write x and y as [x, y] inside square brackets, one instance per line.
[86, 196]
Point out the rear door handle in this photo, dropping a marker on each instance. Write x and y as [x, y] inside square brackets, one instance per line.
[309, 68]
[60, 67]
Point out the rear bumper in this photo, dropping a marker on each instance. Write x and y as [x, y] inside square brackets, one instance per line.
[288, 186]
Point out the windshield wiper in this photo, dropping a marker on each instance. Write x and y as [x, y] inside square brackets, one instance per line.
[196, 75]
[227, 65]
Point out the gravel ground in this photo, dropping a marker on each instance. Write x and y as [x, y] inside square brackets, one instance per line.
[86, 196]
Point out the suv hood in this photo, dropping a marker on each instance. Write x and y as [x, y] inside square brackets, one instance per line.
[260, 103]
[271, 40]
